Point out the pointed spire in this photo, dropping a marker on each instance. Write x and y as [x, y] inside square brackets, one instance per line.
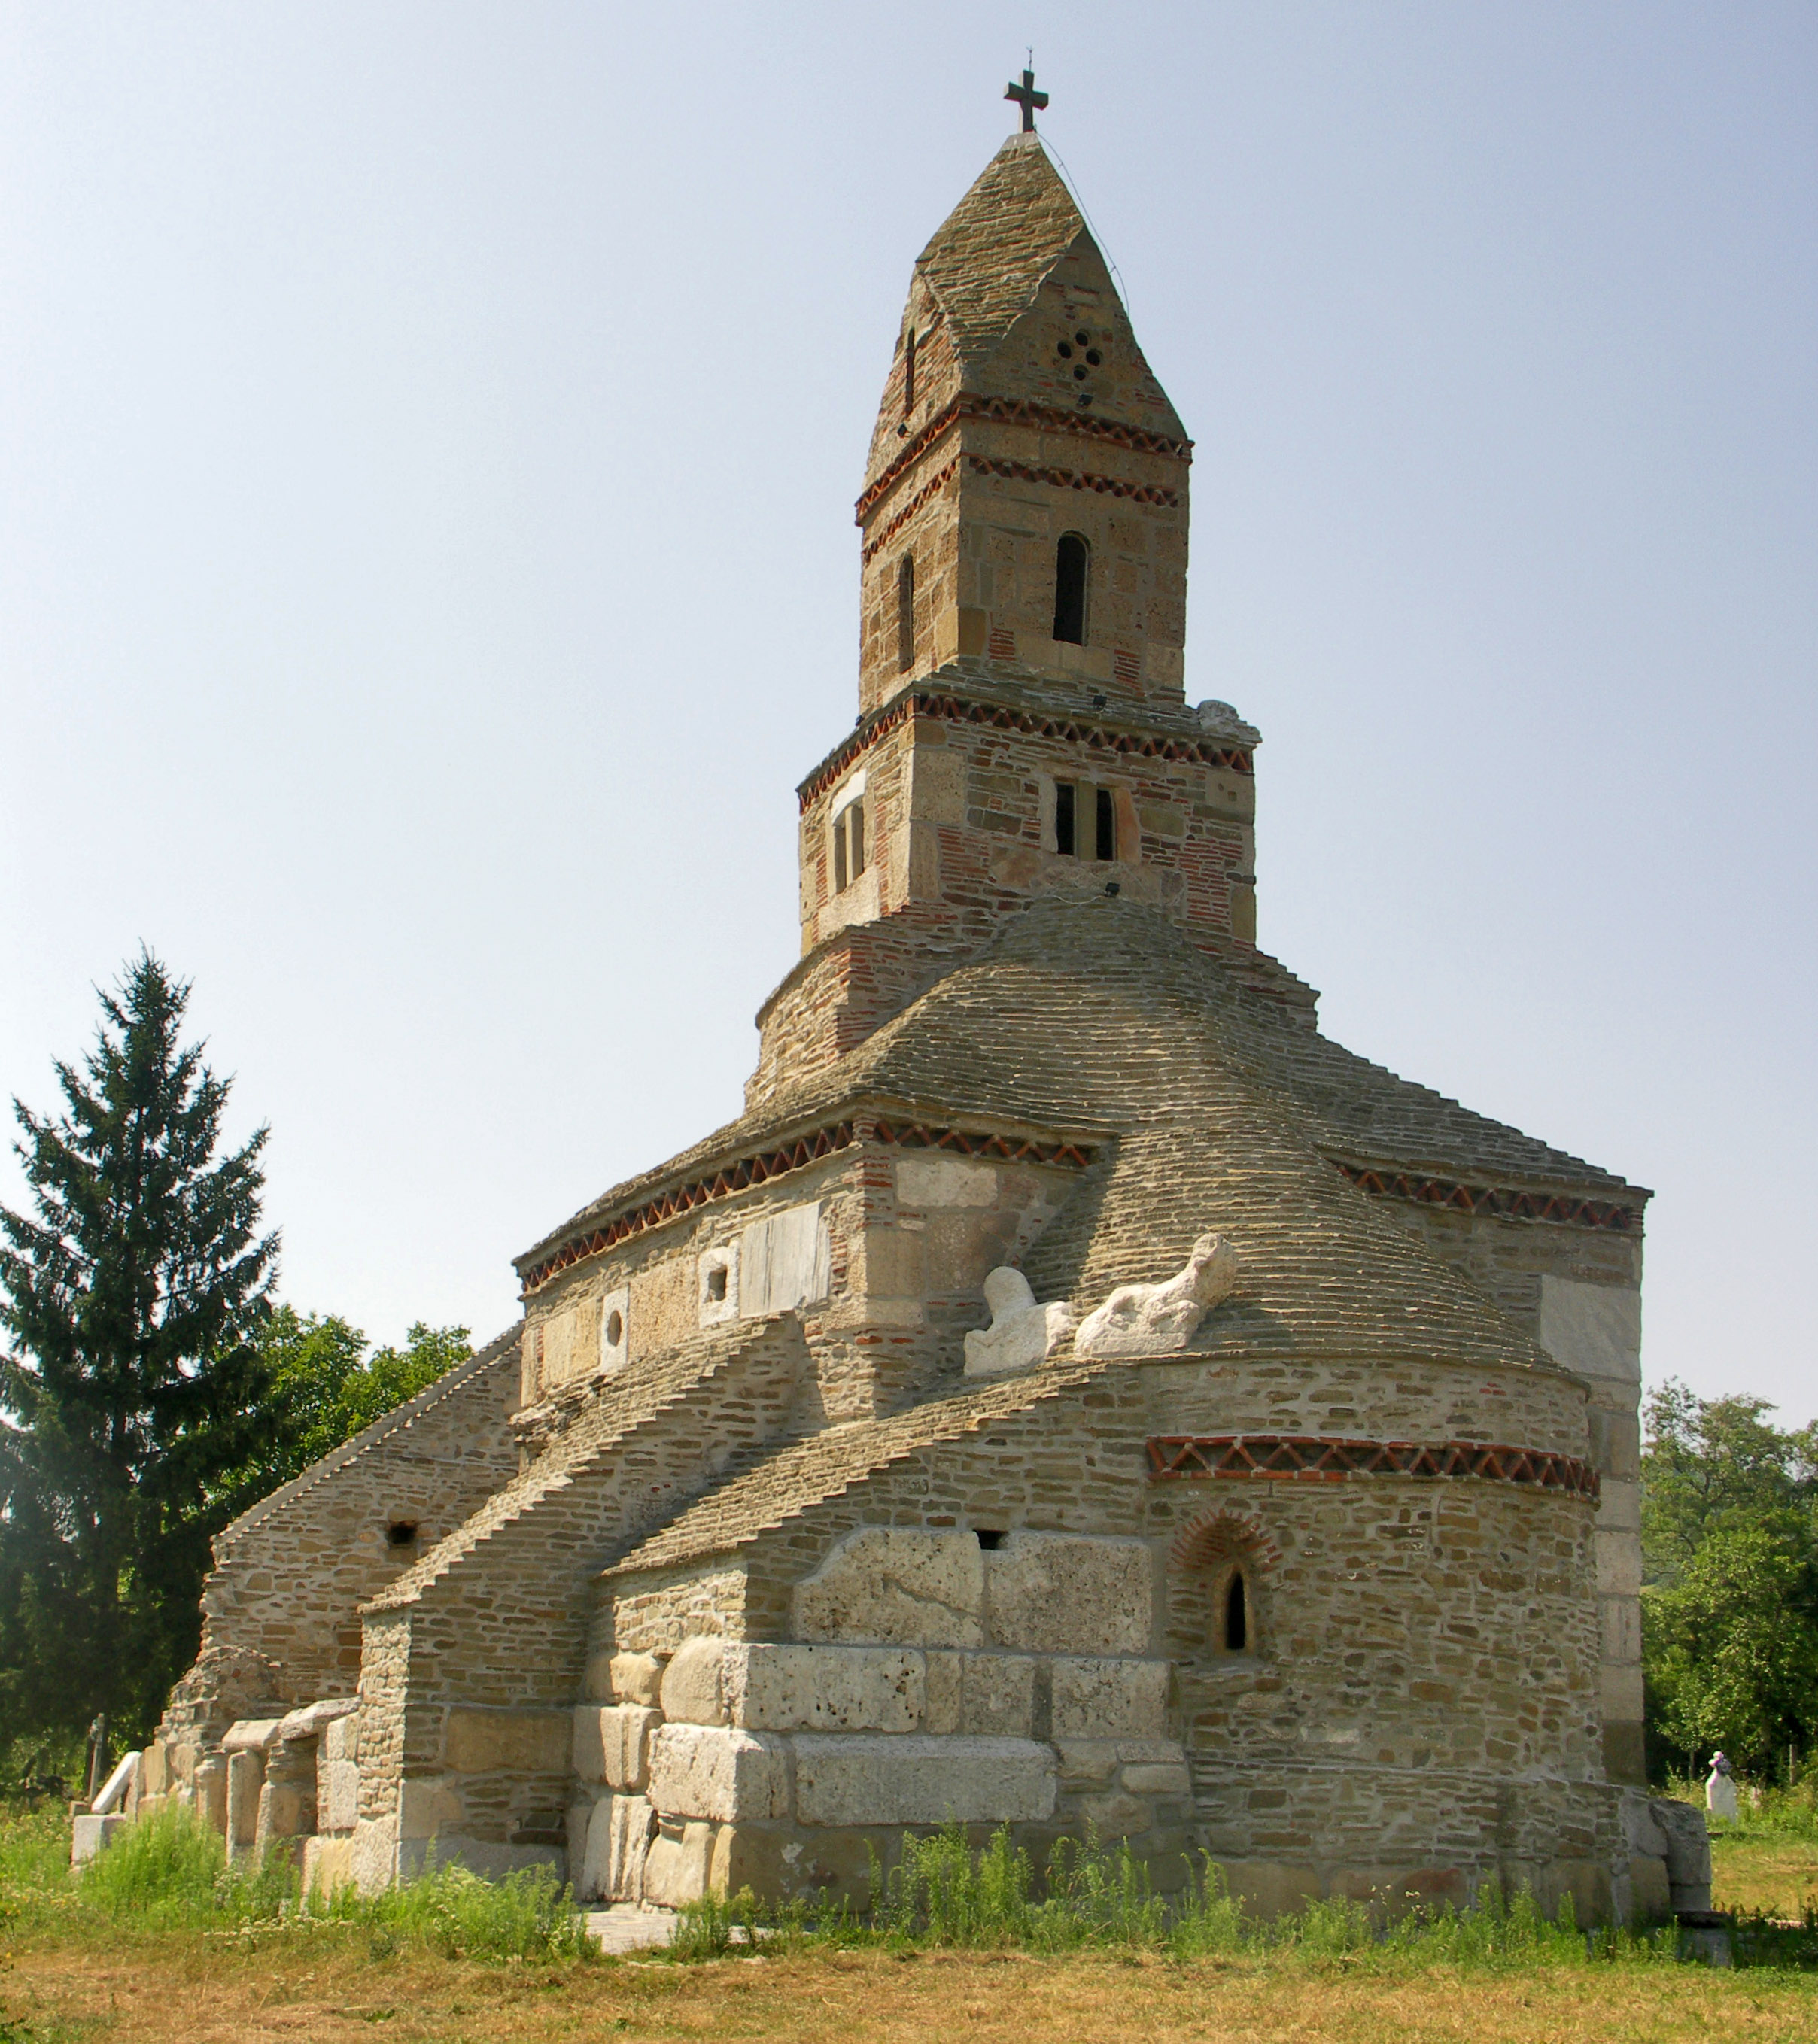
[986, 261]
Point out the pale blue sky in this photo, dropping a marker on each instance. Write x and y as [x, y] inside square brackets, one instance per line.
[428, 442]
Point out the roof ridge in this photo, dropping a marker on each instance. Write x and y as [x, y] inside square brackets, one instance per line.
[369, 1437]
[670, 1385]
[895, 1434]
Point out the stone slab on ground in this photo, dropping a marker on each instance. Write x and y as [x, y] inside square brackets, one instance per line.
[628, 1927]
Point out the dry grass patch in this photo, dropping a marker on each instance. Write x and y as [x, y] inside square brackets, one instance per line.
[1775, 1873]
[195, 1990]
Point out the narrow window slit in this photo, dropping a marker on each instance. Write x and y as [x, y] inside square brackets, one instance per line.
[1063, 818]
[1107, 823]
[1236, 1617]
[906, 614]
[1070, 564]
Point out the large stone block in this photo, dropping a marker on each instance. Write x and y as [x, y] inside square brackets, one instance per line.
[479, 1741]
[863, 1779]
[154, 1770]
[427, 1807]
[785, 1860]
[636, 1678]
[679, 1866]
[91, 1835]
[717, 1772]
[1061, 1593]
[894, 1585]
[824, 1689]
[337, 1795]
[993, 1695]
[245, 1778]
[210, 1785]
[618, 1837]
[931, 1179]
[694, 1684]
[1594, 1329]
[328, 1864]
[252, 1735]
[1107, 1699]
[612, 1743]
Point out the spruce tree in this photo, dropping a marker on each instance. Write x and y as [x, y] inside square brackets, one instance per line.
[132, 1384]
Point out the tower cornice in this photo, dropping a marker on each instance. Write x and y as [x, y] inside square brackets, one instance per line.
[1138, 737]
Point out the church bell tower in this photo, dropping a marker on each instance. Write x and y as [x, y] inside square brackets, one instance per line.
[1023, 726]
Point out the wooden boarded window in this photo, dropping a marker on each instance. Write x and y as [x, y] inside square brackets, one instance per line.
[906, 614]
[848, 844]
[1071, 559]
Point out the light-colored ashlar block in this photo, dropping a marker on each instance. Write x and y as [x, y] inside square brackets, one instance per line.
[1594, 1329]
[91, 1834]
[337, 1795]
[211, 1792]
[679, 1865]
[717, 1772]
[997, 1695]
[618, 1836]
[893, 1585]
[786, 1688]
[1109, 1699]
[933, 1180]
[861, 1779]
[694, 1684]
[245, 1778]
[612, 1743]
[1062, 1593]
[636, 1678]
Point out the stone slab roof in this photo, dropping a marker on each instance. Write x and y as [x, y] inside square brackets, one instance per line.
[499, 1351]
[604, 1416]
[1081, 1015]
[985, 261]
[808, 1472]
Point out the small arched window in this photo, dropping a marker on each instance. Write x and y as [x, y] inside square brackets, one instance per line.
[1236, 1615]
[1071, 559]
[906, 614]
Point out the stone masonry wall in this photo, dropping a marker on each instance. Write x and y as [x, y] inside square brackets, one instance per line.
[487, 1660]
[1418, 1701]
[1578, 1291]
[291, 1574]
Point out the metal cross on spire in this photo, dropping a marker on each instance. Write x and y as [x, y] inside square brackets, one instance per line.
[1027, 98]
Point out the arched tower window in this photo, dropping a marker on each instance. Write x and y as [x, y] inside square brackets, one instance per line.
[1071, 559]
[906, 614]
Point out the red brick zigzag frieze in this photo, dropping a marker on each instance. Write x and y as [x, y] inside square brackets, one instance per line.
[1069, 479]
[761, 1167]
[899, 518]
[955, 710]
[1512, 1204]
[1008, 411]
[1310, 1458]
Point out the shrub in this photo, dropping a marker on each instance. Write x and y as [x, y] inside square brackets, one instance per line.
[456, 1914]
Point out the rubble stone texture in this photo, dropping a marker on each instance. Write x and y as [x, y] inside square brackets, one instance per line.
[749, 1548]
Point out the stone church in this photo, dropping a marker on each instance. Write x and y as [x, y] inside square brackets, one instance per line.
[1076, 1394]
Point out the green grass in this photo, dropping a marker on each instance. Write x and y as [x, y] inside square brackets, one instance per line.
[945, 1894]
[168, 1872]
